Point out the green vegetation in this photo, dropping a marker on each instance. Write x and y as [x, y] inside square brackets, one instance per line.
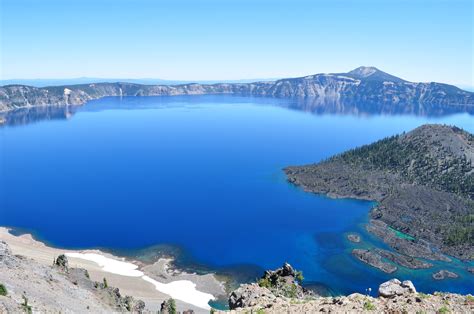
[290, 291]
[171, 306]
[425, 159]
[264, 283]
[443, 310]
[25, 306]
[423, 295]
[3, 290]
[414, 161]
[260, 311]
[105, 283]
[462, 231]
[299, 276]
[369, 306]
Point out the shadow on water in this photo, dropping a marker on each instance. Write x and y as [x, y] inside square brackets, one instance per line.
[313, 105]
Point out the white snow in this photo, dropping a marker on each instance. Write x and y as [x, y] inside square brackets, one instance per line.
[109, 265]
[183, 290]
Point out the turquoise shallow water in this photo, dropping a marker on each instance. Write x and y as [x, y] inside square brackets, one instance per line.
[202, 174]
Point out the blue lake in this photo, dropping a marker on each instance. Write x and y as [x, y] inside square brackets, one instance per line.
[204, 174]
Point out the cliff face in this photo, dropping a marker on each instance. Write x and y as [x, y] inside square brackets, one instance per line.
[362, 85]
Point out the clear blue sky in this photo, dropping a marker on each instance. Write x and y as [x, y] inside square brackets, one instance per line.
[229, 39]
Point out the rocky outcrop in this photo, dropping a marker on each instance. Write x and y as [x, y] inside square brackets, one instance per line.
[422, 181]
[443, 274]
[250, 295]
[373, 87]
[373, 258]
[403, 260]
[282, 282]
[394, 287]
[62, 263]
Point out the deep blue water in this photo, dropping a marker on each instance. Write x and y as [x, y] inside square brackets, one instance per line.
[203, 173]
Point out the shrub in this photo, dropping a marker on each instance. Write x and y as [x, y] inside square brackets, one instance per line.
[25, 305]
[3, 290]
[172, 306]
[368, 306]
[299, 276]
[265, 283]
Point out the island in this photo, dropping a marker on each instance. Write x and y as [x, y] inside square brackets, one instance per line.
[423, 185]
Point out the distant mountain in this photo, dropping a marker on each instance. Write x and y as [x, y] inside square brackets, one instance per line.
[89, 80]
[373, 74]
[363, 85]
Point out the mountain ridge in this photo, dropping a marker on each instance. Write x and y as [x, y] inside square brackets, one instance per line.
[361, 85]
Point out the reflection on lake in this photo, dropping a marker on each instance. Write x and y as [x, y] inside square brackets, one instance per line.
[311, 105]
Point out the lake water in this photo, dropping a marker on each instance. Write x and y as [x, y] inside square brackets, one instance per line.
[202, 174]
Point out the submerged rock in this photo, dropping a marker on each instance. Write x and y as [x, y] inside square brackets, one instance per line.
[353, 237]
[395, 287]
[443, 274]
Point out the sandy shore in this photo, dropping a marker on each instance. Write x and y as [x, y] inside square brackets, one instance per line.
[152, 283]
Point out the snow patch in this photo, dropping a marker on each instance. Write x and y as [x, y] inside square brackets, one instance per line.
[183, 290]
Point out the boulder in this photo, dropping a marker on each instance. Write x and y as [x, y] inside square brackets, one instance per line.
[250, 295]
[395, 287]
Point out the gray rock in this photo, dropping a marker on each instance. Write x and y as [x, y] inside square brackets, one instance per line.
[443, 274]
[395, 287]
[250, 295]
[372, 258]
[62, 262]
